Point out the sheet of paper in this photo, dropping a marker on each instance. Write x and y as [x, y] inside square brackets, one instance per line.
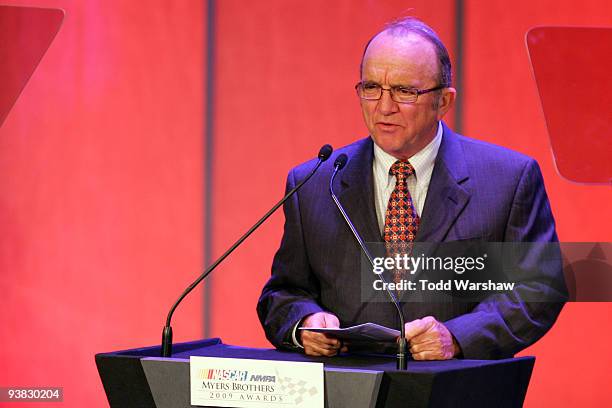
[361, 332]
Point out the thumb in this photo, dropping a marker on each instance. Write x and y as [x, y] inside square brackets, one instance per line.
[416, 327]
[331, 320]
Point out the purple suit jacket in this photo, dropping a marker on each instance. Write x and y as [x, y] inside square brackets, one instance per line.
[477, 191]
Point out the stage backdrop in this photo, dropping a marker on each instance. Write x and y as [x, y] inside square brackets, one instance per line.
[102, 198]
[299, 62]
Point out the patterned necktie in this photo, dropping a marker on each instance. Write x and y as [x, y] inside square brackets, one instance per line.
[401, 219]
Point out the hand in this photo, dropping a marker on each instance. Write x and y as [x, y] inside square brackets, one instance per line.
[430, 340]
[319, 344]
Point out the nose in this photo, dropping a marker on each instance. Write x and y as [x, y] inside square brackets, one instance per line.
[386, 105]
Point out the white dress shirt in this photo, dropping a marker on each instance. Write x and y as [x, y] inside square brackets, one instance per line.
[418, 183]
[384, 183]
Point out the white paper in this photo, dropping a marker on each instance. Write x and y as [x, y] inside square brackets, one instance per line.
[246, 383]
[361, 332]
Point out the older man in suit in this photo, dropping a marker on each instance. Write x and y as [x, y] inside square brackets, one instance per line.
[456, 188]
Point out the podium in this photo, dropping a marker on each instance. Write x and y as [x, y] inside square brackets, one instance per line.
[140, 378]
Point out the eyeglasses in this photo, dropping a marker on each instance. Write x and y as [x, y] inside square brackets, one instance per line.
[371, 91]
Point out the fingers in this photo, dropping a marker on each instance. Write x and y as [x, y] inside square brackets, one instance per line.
[331, 320]
[319, 351]
[428, 345]
[431, 350]
[432, 355]
[419, 326]
[321, 319]
[430, 340]
[314, 349]
[318, 344]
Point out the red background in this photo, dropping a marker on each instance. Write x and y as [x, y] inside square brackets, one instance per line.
[102, 162]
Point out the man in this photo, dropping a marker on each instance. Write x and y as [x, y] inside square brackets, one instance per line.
[456, 188]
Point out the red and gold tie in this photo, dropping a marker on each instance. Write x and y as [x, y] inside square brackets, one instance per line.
[401, 219]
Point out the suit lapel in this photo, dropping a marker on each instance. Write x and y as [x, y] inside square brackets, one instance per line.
[446, 196]
[356, 192]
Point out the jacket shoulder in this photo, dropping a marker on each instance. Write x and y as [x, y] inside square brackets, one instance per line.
[491, 157]
[352, 150]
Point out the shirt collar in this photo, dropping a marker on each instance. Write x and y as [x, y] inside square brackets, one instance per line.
[423, 161]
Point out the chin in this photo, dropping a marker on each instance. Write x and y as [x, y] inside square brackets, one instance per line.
[390, 145]
[394, 151]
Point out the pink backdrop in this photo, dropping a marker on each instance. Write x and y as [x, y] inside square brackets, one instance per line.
[101, 201]
[101, 192]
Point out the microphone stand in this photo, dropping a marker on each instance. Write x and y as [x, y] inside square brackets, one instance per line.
[402, 346]
[166, 346]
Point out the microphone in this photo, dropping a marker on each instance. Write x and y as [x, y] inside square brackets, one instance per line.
[166, 346]
[402, 346]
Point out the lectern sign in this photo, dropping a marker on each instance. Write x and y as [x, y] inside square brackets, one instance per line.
[233, 382]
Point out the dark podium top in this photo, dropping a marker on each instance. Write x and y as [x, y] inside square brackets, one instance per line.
[140, 378]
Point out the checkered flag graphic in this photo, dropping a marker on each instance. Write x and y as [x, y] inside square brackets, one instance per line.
[295, 388]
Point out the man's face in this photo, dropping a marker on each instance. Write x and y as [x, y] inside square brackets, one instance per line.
[410, 61]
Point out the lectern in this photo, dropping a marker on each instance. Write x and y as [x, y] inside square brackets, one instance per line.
[140, 378]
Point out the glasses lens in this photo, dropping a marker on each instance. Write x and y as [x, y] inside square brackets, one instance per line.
[369, 90]
[404, 95]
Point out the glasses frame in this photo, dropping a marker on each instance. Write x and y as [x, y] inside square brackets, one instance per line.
[392, 90]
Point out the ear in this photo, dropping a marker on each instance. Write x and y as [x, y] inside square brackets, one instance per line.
[446, 101]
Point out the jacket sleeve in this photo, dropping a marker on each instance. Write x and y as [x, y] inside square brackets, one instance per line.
[503, 324]
[292, 291]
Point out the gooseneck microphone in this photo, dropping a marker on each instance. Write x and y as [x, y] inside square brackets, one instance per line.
[402, 345]
[166, 347]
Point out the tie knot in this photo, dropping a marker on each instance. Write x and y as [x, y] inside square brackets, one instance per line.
[401, 170]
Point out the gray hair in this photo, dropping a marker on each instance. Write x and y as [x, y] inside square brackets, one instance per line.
[412, 25]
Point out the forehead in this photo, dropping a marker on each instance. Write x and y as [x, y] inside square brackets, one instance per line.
[400, 58]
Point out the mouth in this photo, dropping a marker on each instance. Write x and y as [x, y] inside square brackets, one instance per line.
[387, 125]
